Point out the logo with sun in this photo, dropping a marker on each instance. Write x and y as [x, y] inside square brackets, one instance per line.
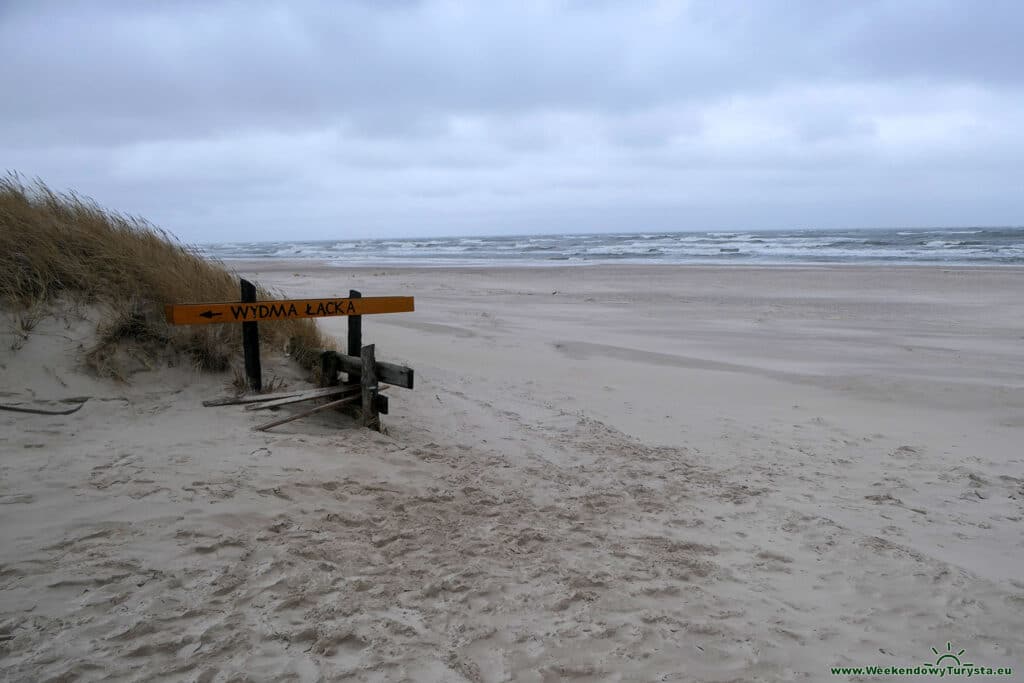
[947, 658]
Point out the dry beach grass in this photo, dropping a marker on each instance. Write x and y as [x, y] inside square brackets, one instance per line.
[63, 247]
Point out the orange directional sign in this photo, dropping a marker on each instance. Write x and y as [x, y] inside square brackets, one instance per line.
[202, 314]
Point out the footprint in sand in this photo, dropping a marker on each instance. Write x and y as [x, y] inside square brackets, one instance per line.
[905, 452]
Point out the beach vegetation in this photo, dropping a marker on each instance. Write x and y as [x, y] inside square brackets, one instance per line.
[62, 252]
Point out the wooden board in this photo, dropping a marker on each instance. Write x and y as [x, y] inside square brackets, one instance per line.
[389, 373]
[251, 398]
[289, 309]
[40, 411]
[304, 396]
[311, 411]
[263, 398]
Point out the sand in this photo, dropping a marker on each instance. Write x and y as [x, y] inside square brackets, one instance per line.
[603, 473]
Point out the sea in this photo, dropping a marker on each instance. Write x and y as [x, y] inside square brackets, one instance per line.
[952, 246]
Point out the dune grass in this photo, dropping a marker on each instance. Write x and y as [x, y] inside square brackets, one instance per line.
[63, 247]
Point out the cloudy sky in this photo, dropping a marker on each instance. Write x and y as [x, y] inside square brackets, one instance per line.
[254, 120]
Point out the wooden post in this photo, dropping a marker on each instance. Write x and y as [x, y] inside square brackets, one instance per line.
[251, 342]
[355, 334]
[330, 367]
[368, 382]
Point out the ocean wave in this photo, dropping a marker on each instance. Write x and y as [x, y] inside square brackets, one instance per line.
[969, 246]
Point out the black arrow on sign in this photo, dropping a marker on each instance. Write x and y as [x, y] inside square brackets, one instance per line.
[209, 314]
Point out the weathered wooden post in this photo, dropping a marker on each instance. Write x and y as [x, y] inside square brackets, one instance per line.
[368, 383]
[329, 369]
[355, 334]
[251, 341]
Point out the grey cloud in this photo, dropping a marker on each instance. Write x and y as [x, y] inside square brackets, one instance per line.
[408, 116]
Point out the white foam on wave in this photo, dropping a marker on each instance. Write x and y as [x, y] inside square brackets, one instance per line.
[812, 246]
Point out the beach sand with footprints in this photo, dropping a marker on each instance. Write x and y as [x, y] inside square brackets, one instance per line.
[603, 473]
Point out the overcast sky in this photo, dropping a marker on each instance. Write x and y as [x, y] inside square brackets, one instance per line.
[251, 120]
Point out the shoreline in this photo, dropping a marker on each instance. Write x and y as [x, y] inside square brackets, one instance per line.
[889, 246]
[281, 264]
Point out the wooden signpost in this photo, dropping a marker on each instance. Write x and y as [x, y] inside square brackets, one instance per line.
[256, 311]
[250, 341]
[360, 365]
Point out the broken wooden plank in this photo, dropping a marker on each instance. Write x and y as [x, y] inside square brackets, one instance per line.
[323, 392]
[305, 413]
[250, 398]
[40, 411]
[389, 373]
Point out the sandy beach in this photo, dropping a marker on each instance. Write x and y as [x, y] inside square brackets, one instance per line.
[604, 473]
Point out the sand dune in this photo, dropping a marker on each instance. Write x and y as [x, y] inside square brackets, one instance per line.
[717, 474]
